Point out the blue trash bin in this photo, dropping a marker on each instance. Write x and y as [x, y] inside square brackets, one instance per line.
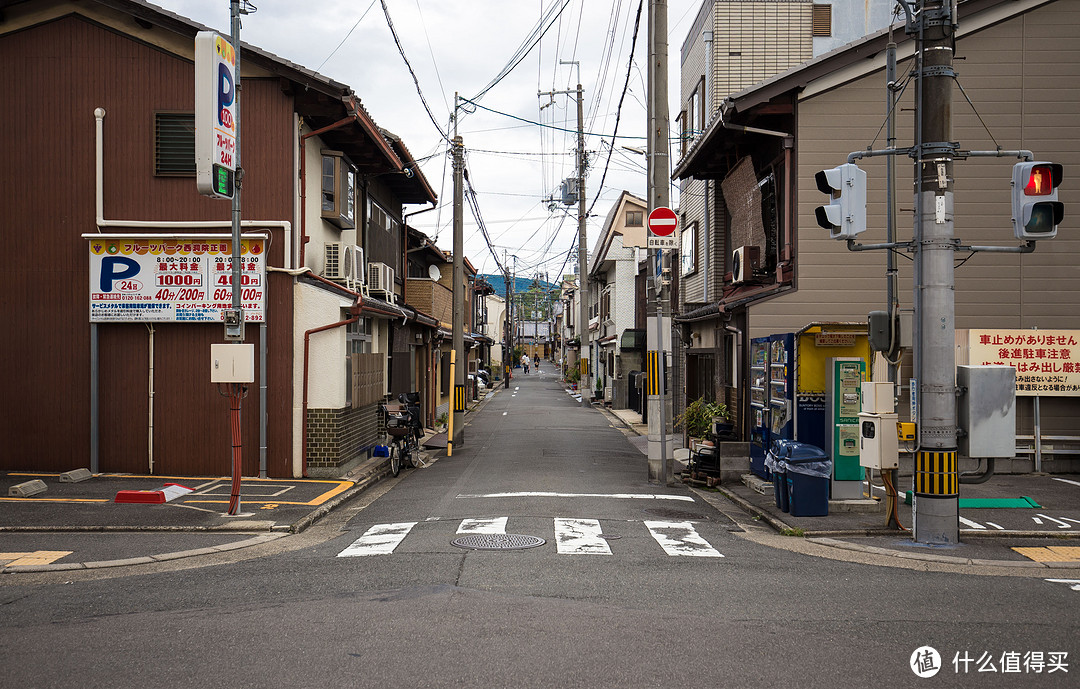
[807, 470]
[776, 469]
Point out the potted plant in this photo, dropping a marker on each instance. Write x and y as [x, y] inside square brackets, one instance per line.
[573, 375]
[698, 417]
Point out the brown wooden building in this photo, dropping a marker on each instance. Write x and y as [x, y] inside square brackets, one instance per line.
[118, 75]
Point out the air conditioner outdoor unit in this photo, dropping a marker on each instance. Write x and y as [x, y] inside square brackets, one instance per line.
[334, 261]
[380, 279]
[743, 262]
[355, 269]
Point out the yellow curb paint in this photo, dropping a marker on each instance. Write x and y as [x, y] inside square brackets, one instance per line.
[1054, 553]
[36, 558]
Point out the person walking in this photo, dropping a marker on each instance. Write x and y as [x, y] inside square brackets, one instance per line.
[536, 362]
[525, 363]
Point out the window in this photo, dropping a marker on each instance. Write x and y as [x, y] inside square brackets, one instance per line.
[688, 250]
[338, 190]
[821, 20]
[174, 144]
[635, 218]
[379, 218]
[357, 341]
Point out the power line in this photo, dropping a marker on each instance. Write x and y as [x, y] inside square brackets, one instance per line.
[416, 81]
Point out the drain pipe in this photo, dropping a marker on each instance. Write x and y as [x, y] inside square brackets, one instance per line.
[150, 401]
[303, 189]
[789, 144]
[355, 309]
[972, 477]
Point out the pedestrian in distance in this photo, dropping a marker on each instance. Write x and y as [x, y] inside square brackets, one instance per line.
[525, 363]
[536, 362]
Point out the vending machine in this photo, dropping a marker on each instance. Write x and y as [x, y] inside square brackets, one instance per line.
[846, 375]
[759, 405]
[772, 386]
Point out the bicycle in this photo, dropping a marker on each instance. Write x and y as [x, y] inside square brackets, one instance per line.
[404, 427]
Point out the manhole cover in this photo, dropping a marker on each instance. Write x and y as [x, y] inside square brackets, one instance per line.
[668, 513]
[488, 541]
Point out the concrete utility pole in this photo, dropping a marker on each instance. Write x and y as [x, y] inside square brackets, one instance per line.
[936, 483]
[583, 250]
[508, 337]
[457, 406]
[659, 173]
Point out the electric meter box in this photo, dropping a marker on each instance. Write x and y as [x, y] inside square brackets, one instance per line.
[986, 411]
[232, 363]
[877, 398]
[878, 446]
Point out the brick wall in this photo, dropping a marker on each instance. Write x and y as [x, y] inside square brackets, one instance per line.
[338, 436]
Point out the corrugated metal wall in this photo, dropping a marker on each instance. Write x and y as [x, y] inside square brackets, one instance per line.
[54, 76]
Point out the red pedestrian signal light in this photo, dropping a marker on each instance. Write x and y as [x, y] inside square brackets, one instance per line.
[1036, 211]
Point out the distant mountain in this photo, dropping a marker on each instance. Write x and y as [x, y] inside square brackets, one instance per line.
[520, 284]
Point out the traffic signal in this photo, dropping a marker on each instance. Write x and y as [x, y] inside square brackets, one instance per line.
[845, 216]
[1036, 212]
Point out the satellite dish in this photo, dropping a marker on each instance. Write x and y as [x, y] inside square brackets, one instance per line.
[433, 272]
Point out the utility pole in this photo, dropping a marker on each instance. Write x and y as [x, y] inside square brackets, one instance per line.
[508, 339]
[582, 248]
[583, 251]
[936, 482]
[457, 404]
[659, 173]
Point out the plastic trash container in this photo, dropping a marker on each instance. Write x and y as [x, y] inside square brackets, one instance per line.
[807, 470]
[779, 479]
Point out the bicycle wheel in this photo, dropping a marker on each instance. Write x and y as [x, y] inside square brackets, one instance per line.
[414, 454]
[395, 459]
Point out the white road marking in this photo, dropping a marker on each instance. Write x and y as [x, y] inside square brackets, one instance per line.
[380, 539]
[1061, 524]
[1068, 519]
[973, 525]
[1074, 584]
[1001, 528]
[504, 413]
[615, 496]
[488, 526]
[1065, 480]
[681, 539]
[580, 537]
[1036, 520]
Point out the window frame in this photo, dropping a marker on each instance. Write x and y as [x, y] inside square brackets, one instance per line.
[342, 186]
[684, 256]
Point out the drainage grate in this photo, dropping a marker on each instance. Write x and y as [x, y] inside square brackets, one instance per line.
[497, 541]
[668, 513]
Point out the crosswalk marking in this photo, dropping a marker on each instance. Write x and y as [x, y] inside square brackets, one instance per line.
[680, 539]
[580, 537]
[380, 539]
[488, 526]
[572, 537]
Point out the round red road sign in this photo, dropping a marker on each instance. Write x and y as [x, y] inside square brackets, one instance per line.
[662, 222]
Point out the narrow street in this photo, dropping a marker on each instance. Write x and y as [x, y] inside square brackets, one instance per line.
[592, 578]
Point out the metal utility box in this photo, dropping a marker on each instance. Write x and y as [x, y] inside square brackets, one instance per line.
[878, 446]
[986, 411]
[232, 363]
[877, 398]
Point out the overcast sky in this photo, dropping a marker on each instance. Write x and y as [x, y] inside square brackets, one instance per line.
[462, 46]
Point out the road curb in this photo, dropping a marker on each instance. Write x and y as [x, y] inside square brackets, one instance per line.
[143, 560]
[831, 539]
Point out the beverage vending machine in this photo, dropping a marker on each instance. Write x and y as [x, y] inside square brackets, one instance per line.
[772, 412]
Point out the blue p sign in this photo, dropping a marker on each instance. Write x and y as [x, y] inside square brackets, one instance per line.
[115, 268]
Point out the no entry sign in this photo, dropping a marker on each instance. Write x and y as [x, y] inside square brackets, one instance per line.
[662, 225]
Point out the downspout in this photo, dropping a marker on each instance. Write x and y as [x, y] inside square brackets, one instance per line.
[356, 308]
[707, 244]
[150, 401]
[789, 144]
[304, 187]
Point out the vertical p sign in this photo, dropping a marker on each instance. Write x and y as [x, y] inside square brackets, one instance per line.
[215, 115]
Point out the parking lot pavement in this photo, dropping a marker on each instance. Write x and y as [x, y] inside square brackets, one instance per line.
[47, 530]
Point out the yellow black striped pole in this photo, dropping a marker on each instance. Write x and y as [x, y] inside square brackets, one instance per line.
[459, 398]
[653, 370]
[450, 424]
[936, 474]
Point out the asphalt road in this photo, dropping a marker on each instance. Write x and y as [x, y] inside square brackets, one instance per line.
[677, 593]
